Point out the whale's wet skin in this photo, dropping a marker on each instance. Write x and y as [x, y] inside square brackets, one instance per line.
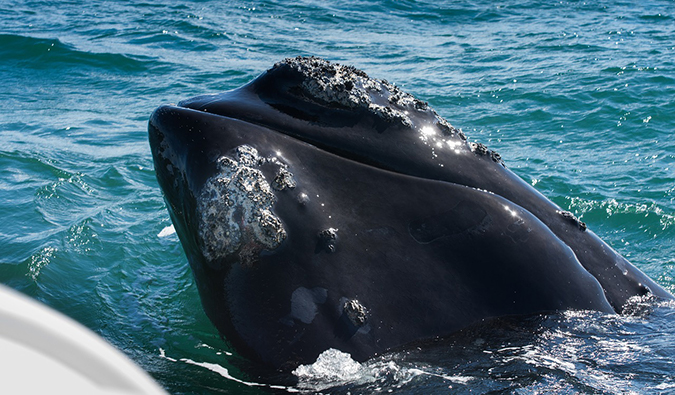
[321, 209]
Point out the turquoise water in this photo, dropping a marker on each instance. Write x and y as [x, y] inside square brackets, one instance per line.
[578, 98]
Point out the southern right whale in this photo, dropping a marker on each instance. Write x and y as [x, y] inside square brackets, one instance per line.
[320, 208]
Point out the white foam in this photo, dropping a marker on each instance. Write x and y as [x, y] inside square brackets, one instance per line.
[455, 379]
[335, 368]
[331, 365]
[224, 372]
[167, 231]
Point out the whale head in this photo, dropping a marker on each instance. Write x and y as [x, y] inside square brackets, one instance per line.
[321, 208]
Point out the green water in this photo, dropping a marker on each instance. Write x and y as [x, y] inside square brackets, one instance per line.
[578, 98]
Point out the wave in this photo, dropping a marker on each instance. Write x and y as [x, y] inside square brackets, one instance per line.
[46, 53]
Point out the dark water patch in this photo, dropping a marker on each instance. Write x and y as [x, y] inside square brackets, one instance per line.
[171, 40]
[60, 150]
[656, 17]
[44, 54]
[664, 80]
[25, 169]
[218, 81]
[576, 48]
[633, 68]
[55, 201]
[103, 33]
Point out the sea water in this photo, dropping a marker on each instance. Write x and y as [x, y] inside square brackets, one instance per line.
[577, 97]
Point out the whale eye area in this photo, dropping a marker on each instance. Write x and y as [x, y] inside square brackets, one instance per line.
[234, 207]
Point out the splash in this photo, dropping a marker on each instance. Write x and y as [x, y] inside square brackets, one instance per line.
[334, 369]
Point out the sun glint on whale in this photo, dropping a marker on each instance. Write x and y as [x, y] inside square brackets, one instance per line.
[321, 208]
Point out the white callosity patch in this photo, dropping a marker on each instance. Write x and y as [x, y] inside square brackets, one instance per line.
[235, 207]
[283, 178]
[356, 312]
[347, 87]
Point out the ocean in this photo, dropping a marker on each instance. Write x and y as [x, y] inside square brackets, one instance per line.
[577, 97]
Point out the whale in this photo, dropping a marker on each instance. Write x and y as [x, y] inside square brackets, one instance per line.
[321, 208]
